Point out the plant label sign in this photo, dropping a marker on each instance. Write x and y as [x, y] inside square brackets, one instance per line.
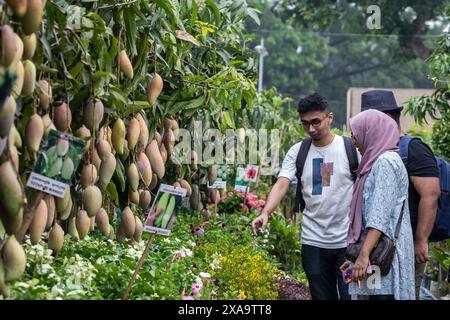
[57, 161]
[241, 183]
[164, 209]
[244, 176]
[221, 180]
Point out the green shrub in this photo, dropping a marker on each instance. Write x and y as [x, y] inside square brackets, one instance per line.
[441, 139]
[284, 243]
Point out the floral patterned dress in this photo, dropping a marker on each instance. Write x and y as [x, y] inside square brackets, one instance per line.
[385, 190]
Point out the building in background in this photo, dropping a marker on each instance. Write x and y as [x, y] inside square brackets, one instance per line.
[401, 95]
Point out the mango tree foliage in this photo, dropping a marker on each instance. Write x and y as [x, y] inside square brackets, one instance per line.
[198, 48]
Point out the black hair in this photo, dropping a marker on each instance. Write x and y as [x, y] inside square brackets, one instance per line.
[396, 116]
[313, 102]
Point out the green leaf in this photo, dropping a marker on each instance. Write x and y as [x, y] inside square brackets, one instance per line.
[226, 56]
[76, 69]
[212, 5]
[130, 26]
[136, 106]
[99, 74]
[46, 46]
[114, 49]
[187, 105]
[168, 9]
[228, 120]
[253, 13]
[194, 11]
[112, 192]
[118, 95]
[46, 69]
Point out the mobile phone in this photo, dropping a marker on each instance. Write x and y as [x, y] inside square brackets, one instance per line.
[347, 275]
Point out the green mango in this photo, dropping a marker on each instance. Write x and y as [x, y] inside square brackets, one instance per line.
[55, 168]
[162, 204]
[168, 213]
[67, 169]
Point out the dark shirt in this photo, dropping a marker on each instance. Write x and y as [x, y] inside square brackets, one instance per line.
[421, 163]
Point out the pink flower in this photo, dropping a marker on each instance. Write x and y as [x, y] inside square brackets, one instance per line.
[214, 294]
[277, 213]
[262, 202]
[196, 287]
[199, 231]
[181, 254]
[184, 297]
[251, 196]
[252, 204]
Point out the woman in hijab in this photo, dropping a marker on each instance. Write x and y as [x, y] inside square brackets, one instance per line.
[380, 192]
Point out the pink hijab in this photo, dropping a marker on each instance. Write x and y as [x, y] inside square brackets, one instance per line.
[377, 133]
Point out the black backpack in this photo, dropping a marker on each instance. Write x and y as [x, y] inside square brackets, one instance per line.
[352, 156]
[441, 230]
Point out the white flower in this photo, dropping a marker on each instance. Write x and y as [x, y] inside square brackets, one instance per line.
[46, 268]
[56, 291]
[21, 285]
[191, 243]
[74, 292]
[204, 276]
[215, 264]
[100, 260]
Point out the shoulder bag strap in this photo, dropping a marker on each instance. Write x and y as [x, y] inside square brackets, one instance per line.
[397, 228]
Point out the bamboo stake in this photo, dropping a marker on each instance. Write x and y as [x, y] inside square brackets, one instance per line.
[138, 268]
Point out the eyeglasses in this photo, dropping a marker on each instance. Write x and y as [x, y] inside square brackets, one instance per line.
[314, 122]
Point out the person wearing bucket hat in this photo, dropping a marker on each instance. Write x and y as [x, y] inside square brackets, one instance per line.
[424, 189]
[381, 100]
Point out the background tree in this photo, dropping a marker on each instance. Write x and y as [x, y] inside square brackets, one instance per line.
[338, 51]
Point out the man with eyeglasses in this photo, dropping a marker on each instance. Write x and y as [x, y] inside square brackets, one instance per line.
[325, 165]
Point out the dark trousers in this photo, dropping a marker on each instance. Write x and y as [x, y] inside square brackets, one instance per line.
[324, 276]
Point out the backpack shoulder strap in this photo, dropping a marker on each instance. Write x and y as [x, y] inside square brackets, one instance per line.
[299, 164]
[301, 157]
[352, 156]
[404, 146]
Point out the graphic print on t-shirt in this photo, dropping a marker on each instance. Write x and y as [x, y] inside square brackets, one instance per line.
[322, 173]
[326, 171]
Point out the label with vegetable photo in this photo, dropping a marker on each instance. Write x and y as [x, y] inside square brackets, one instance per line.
[220, 182]
[165, 207]
[57, 161]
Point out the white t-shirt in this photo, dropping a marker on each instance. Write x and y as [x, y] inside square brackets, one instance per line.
[327, 187]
